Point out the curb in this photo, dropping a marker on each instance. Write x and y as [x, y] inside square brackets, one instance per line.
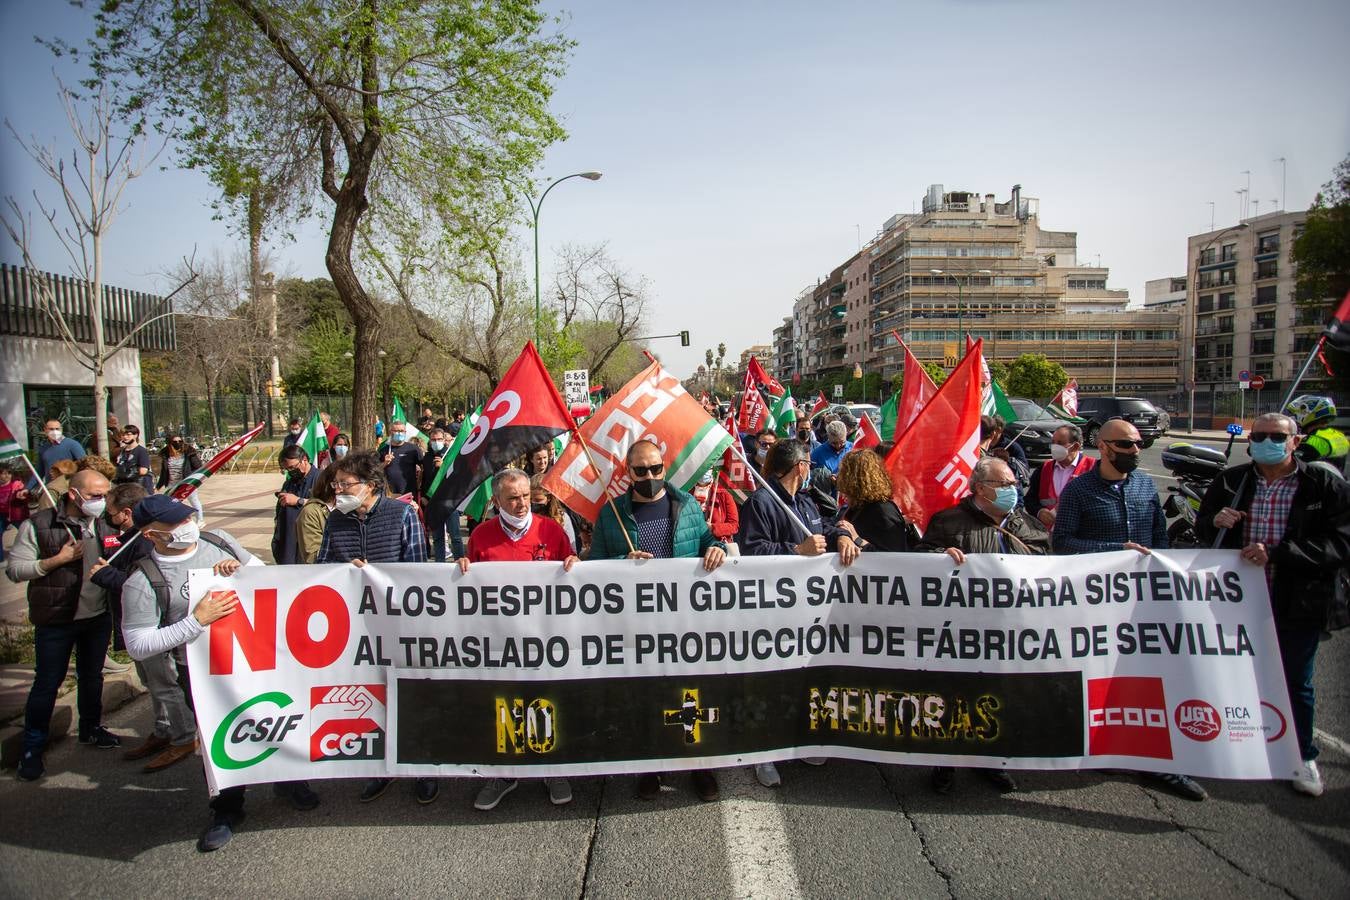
[118, 691]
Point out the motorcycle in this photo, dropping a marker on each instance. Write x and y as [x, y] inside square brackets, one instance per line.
[1195, 467]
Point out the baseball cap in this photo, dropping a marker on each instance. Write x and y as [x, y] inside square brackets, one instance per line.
[159, 508]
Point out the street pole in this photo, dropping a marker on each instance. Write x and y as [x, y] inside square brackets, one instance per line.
[1115, 350]
[535, 206]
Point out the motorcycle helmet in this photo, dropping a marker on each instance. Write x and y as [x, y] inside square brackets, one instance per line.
[1309, 409]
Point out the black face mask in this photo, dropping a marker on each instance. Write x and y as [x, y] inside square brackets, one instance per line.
[1125, 463]
[649, 487]
[539, 509]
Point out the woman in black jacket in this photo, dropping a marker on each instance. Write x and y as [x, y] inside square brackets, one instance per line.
[863, 479]
[177, 460]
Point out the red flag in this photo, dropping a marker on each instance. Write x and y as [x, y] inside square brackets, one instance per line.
[762, 379]
[184, 488]
[1322, 358]
[867, 434]
[985, 377]
[734, 476]
[820, 405]
[1067, 398]
[916, 392]
[931, 464]
[1338, 329]
[754, 411]
[524, 412]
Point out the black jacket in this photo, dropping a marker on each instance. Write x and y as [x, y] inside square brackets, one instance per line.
[968, 528]
[882, 525]
[1315, 544]
[766, 529]
[191, 463]
[112, 576]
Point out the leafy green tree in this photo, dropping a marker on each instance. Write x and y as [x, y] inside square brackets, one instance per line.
[1035, 376]
[1322, 254]
[935, 372]
[444, 94]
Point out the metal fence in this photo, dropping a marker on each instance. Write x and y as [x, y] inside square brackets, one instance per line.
[225, 417]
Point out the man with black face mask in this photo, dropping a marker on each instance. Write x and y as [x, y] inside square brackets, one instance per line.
[295, 490]
[1116, 507]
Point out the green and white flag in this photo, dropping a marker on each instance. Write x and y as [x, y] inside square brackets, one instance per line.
[784, 416]
[314, 440]
[400, 416]
[995, 403]
[889, 416]
[9, 446]
[452, 454]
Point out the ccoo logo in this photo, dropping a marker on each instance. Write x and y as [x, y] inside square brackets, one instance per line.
[1198, 720]
[1127, 716]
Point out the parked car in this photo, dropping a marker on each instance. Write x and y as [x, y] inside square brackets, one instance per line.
[1033, 428]
[1139, 412]
[858, 410]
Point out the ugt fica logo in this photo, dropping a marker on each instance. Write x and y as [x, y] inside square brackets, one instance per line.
[1127, 716]
[1198, 720]
[346, 722]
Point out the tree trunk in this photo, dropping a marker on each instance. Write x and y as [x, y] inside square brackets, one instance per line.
[100, 343]
[256, 215]
[365, 315]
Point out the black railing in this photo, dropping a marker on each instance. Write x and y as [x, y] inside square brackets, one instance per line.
[22, 313]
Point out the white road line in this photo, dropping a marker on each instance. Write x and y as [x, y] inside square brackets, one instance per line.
[759, 854]
[1332, 740]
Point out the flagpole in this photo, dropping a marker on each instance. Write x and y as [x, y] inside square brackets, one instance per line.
[46, 490]
[779, 500]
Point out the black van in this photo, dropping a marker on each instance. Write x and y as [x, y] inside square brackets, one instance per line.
[1139, 412]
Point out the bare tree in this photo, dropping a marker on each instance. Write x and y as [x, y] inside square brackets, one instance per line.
[600, 302]
[103, 164]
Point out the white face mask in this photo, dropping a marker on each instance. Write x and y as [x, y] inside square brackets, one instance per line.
[347, 503]
[1058, 452]
[513, 523]
[340, 450]
[92, 508]
[54, 434]
[438, 446]
[184, 536]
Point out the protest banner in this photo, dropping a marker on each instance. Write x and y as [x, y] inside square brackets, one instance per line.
[1165, 663]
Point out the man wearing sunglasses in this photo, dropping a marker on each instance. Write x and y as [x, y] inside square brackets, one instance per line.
[1294, 520]
[1116, 507]
[662, 522]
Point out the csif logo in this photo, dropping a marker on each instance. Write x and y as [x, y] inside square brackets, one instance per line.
[254, 730]
[1198, 720]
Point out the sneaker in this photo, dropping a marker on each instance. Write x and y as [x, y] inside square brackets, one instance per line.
[113, 667]
[815, 760]
[559, 791]
[148, 747]
[30, 766]
[101, 738]
[767, 775]
[1182, 785]
[219, 832]
[1001, 780]
[649, 786]
[942, 779]
[174, 753]
[1309, 780]
[705, 785]
[297, 793]
[426, 790]
[493, 792]
[374, 788]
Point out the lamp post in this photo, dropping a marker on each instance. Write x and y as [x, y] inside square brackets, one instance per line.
[535, 206]
[960, 308]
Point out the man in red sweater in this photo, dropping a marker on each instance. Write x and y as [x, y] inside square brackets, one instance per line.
[515, 534]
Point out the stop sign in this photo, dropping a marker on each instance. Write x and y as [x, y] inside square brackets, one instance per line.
[1258, 382]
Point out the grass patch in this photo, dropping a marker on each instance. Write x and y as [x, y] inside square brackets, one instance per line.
[16, 644]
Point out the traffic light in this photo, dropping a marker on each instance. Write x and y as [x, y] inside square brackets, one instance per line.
[684, 339]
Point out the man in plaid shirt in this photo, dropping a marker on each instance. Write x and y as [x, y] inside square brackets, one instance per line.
[1293, 519]
[1115, 507]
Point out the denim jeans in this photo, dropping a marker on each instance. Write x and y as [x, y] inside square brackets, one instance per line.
[1298, 652]
[438, 538]
[52, 645]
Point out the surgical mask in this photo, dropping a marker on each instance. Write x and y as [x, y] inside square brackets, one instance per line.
[761, 454]
[1269, 453]
[398, 437]
[706, 477]
[347, 503]
[1058, 452]
[54, 434]
[515, 523]
[1125, 463]
[438, 446]
[649, 487]
[184, 536]
[341, 450]
[92, 508]
[1005, 497]
[295, 431]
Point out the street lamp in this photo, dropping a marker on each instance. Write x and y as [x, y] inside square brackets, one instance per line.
[535, 206]
[960, 309]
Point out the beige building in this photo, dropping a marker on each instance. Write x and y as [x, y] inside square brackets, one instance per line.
[968, 264]
[1165, 293]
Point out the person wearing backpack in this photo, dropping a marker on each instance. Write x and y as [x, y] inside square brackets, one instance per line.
[155, 619]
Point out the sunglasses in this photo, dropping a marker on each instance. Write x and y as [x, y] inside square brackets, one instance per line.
[1126, 444]
[1274, 437]
[647, 471]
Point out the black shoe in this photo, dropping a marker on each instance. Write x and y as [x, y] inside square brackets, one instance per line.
[943, 778]
[297, 794]
[649, 786]
[101, 738]
[1001, 780]
[219, 832]
[1183, 786]
[30, 766]
[705, 785]
[374, 788]
[426, 790]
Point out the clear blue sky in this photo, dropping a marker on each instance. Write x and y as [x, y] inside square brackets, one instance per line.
[742, 142]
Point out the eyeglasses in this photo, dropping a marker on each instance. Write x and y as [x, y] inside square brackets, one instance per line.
[347, 485]
[1274, 437]
[999, 484]
[647, 471]
[1126, 444]
[764, 446]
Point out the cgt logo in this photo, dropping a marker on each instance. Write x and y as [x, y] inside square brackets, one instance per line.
[347, 722]
[1127, 716]
[1198, 720]
[253, 730]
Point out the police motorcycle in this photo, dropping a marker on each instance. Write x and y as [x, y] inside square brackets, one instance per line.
[1195, 467]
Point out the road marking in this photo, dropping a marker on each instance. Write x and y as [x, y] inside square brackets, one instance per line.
[759, 855]
[1332, 740]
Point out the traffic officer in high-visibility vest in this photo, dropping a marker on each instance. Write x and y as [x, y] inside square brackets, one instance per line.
[1321, 441]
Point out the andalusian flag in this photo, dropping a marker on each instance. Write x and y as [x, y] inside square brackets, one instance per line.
[399, 416]
[184, 488]
[313, 440]
[9, 447]
[448, 461]
[995, 403]
[890, 414]
[785, 417]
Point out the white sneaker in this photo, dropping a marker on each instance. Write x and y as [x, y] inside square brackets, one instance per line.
[1309, 780]
[767, 773]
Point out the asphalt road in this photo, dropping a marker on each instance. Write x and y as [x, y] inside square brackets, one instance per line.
[97, 825]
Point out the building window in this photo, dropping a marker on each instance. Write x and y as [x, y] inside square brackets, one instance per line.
[1268, 243]
[1265, 295]
[1263, 345]
[1229, 253]
[1207, 256]
[1268, 268]
[1264, 322]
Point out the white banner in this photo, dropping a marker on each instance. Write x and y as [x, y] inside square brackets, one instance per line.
[1162, 663]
